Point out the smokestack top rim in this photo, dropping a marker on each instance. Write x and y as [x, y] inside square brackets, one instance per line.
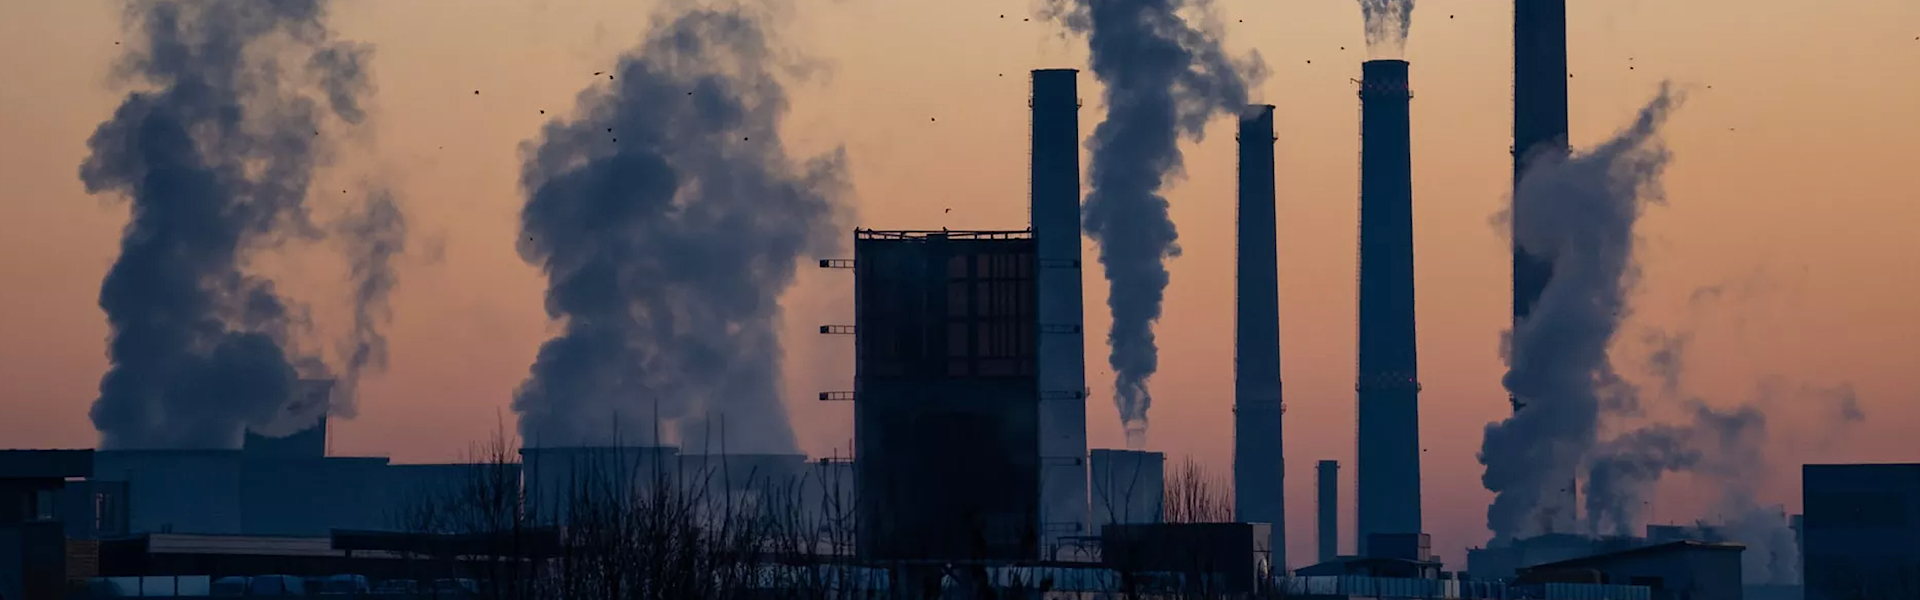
[1056, 70]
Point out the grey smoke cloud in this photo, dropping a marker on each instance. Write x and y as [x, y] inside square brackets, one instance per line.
[668, 219]
[214, 156]
[1388, 24]
[1164, 79]
[1580, 214]
[375, 236]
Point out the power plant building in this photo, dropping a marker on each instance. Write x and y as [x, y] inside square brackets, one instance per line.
[1259, 465]
[1129, 487]
[1861, 531]
[946, 395]
[1055, 208]
[1388, 389]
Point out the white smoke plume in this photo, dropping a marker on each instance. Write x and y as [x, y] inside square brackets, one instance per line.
[1165, 78]
[1389, 22]
[1579, 213]
[668, 218]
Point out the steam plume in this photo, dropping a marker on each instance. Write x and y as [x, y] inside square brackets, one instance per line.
[668, 218]
[1164, 79]
[1579, 213]
[1388, 24]
[375, 236]
[215, 161]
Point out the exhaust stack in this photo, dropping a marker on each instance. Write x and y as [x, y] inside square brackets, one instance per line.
[1054, 210]
[1259, 466]
[1329, 509]
[1389, 386]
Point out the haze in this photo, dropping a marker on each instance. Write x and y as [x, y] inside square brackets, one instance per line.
[1792, 188]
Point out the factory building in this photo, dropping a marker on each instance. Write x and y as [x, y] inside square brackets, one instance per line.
[33, 542]
[1388, 388]
[1684, 570]
[1861, 531]
[946, 395]
[1129, 488]
[1259, 463]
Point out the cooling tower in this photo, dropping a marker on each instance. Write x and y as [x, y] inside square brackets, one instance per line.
[1129, 487]
[1539, 132]
[1388, 388]
[1259, 466]
[1055, 215]
[1328, 507]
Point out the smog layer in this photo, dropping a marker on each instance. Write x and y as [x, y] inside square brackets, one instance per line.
[1164, 78]
[668, 219]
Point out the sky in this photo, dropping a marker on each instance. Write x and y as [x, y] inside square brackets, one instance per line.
[1792, 182]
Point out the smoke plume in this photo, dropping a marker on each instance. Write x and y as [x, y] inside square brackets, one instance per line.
[1164, 79]
[1388, 23]
[1578, 213]
[215, 160]
[668, 219]
[375, 235]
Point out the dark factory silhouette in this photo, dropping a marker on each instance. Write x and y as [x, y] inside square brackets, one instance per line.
[652, 454]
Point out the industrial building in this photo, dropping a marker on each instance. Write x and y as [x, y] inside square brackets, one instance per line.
[1861, 531]
[1259, 462]
[946, 395]
[33, 544]
[1683, 570]
[1129, 488]
[1388, 387]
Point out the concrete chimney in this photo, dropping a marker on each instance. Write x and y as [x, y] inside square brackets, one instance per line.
[1259, 466]
[1389, 385]
[1054, 210]
[1328, 506]
[1539, 133]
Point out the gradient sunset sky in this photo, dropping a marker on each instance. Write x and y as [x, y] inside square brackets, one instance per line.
[1793, 188]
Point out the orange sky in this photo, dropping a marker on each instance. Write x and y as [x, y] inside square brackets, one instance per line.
[1793, 170]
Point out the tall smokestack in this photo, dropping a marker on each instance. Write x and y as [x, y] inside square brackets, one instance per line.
[1388, 386]
[1539, 134]
[1329, 509]
[1259, 467]
[1055, 215]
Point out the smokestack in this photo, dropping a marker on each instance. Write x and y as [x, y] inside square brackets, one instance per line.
[1054, 211]
[1329, 509]
[1164, 80]
[1388, 387]
[1259, 466]
[1539, 133]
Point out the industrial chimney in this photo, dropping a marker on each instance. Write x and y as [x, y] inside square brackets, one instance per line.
[1388, 387]
[1054, 210]
[1328, 530]
[1539, 133]
[1259, 467]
